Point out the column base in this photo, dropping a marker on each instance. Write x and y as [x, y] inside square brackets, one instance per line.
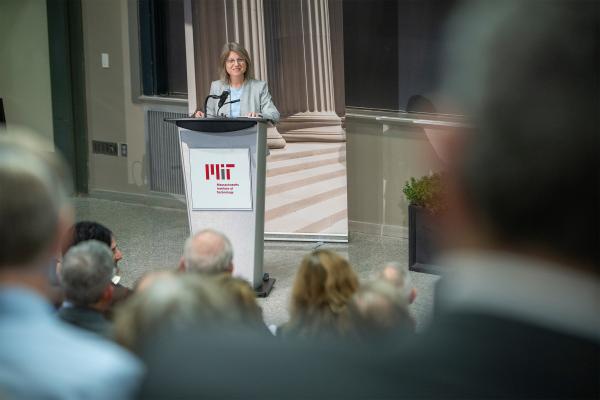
[274, 138]
[323, 126]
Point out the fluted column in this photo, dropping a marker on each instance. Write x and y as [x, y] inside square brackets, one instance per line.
[209, 36]
[220, 21]
[302, 59]
[244, 24]
[336, 36]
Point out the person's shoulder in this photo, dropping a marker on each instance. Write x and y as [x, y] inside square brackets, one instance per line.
[103, 360]
[106, 355]
[257, 83]
[81, 360]
[217, 84]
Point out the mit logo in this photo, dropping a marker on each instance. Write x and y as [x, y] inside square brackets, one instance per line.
[219, 171]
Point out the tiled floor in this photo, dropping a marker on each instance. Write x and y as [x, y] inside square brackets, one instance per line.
[151, 238]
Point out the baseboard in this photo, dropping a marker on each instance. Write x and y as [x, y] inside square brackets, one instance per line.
[172, 201]
[306, 237]
[396, 231]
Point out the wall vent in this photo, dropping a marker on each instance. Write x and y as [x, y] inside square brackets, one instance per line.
[164, 164]
[107, 148]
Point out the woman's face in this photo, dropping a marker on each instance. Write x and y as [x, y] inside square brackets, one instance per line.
[235, 65]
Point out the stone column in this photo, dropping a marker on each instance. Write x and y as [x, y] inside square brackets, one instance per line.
[244, 23]
[208, 18]
[221, 21]
[301, 60]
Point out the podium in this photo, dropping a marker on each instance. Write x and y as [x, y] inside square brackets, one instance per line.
[224, 164]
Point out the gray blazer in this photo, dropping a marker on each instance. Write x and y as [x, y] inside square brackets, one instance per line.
[255, 98]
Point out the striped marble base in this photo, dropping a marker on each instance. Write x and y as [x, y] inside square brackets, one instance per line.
[306, 189]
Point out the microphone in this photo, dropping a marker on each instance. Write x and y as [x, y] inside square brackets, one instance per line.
[223, 98]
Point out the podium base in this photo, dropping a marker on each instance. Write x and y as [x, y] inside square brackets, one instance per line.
[265, 288]
[427, 268]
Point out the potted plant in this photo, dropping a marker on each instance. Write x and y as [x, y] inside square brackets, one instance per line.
[426, 202]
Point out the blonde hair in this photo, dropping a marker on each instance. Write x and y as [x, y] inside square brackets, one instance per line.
[323, 287]
[244, 298]
[239, 49]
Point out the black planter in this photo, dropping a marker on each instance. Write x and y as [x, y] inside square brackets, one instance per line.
[423, 244]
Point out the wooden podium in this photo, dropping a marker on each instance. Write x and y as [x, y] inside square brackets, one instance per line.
[224, 165]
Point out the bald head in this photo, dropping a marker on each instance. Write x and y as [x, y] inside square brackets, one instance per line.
[208, 251]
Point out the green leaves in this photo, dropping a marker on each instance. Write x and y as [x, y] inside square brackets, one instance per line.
[427, 191]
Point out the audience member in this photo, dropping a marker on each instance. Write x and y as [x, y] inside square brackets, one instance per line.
[174, 302]
[208, 252]
[41, 357]
[518, 314]
[150, 277]
[324, 284]
[245, 300]
[89, 230]
[56, 294]
[380, 313]
[30, 141]
[86, 273]
[399, 276]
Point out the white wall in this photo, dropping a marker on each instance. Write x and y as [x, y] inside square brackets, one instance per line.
[112, 113]
[25, 65]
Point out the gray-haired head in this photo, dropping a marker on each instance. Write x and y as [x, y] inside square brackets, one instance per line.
[33, 198]
[208, 251]
[86, 271]
[174, 302]
[399, 276]
[378, 308]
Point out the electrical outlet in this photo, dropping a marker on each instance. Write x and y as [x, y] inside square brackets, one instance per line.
[123, 149]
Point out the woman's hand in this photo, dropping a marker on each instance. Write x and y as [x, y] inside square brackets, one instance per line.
[252, 115]
[198, 114]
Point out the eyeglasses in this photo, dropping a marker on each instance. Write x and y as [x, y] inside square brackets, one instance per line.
[232, 61]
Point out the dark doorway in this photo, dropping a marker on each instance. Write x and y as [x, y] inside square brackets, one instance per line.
[67, 77]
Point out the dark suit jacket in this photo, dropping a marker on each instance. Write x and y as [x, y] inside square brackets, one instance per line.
[86, 318]
[471, 355]
[460, 356]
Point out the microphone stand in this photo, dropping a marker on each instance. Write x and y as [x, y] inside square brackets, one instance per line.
[210, 96]
[229, 102]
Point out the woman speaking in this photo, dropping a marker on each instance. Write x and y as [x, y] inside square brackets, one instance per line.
[248, 97]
